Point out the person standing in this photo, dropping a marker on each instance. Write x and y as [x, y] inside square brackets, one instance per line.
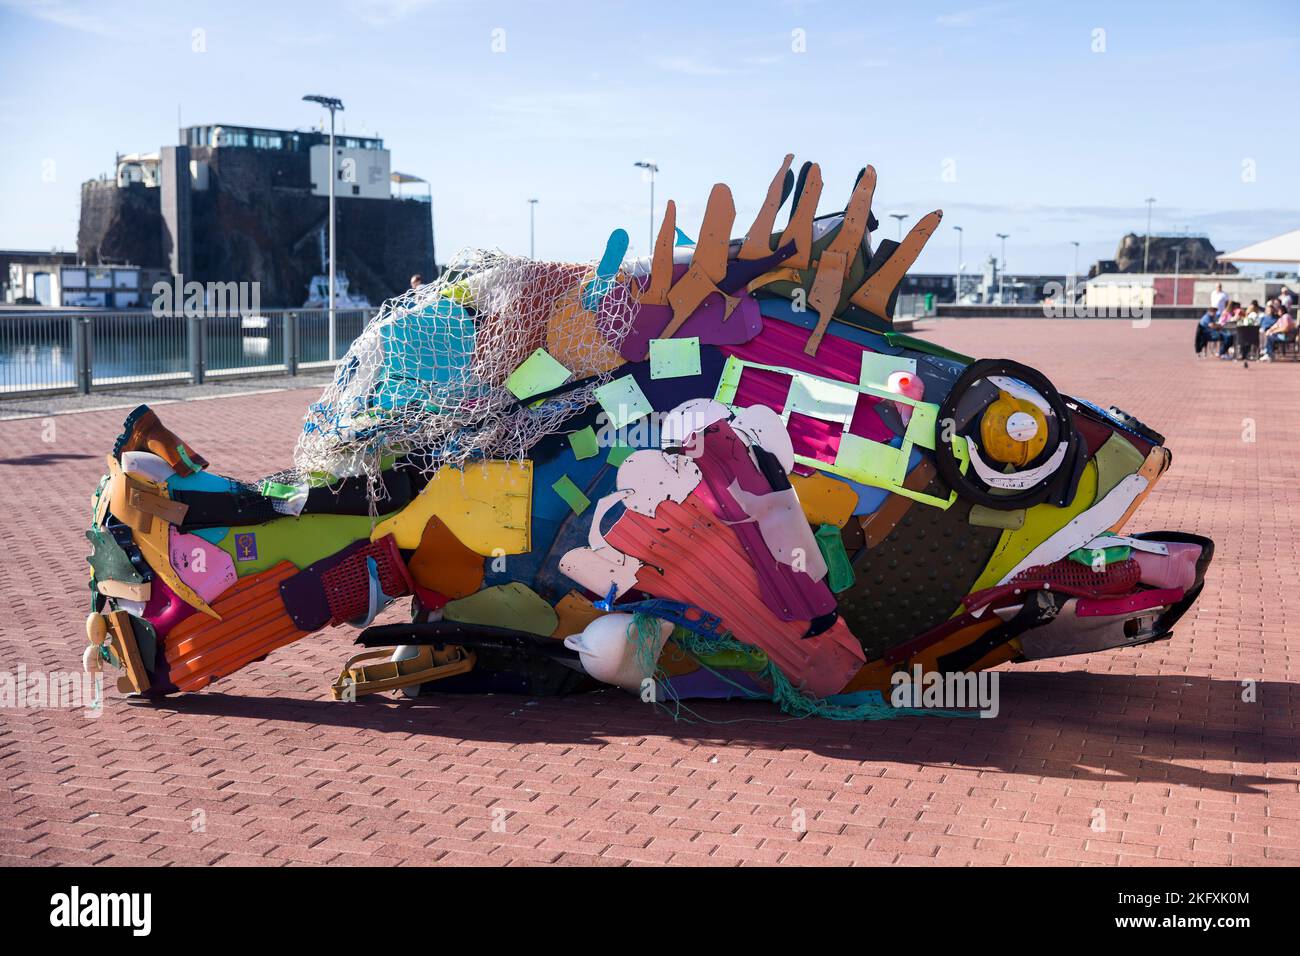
[1218, 298]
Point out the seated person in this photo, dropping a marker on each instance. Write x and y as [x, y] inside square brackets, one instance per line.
[1226, 328]
[1254, 313]
[1269, 317]
[1284, 325]
[1205, 331]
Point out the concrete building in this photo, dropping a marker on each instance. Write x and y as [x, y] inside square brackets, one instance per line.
[248, 205]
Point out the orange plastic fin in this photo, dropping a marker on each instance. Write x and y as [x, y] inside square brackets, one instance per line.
[799, 228]
[758, 241]
[661, 265]
[708, 264]
[833, 267]
[873, 295]
[715, 233]
[856, 216]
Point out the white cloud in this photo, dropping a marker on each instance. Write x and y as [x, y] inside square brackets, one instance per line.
[62, 13]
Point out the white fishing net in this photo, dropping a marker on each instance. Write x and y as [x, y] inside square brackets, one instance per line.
[426, 378]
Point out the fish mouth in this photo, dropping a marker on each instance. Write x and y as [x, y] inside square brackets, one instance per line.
[1164, 624]
[1054, 611]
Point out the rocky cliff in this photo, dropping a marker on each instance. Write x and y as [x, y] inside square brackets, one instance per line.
[1190, 253]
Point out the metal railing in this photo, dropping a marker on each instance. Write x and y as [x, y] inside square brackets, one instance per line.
[50, 352]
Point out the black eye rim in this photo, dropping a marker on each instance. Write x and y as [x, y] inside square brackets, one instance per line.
[1058, 487]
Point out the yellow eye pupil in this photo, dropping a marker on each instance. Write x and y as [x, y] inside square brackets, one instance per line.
[1013, 430]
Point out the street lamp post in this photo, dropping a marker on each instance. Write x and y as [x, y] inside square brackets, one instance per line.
[1146, 250]
[1074, 276]
[899, 216]
[651, 168]
[333, 105]
[957, 298]
[532, 206]
[1002, 273]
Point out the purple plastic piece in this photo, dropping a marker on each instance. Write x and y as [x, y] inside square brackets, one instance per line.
[304, 594]
[707, 322]
[741, 272]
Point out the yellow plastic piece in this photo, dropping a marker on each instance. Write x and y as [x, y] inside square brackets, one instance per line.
[428, 664]
[825, 500]
[487, 506]
[459, 293]
[1041, 522]
[1116, 460]
[999, 445]
[154, 545]
[513, 605]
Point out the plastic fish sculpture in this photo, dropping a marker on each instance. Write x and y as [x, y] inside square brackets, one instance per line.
[715, 472]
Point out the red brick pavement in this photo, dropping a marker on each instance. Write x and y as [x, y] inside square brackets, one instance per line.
[1157, 738]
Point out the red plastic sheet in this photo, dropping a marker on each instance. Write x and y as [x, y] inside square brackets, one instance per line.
[691, 556]
[791, 595]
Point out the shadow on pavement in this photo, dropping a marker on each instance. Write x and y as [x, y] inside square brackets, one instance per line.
[1073, 725]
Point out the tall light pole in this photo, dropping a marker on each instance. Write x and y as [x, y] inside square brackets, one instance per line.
[1074, 276]
[1002, 273]
[899, 216]
[532, 206]
[957, 299]
[1146, 251]
[650, 168]
[333, 105]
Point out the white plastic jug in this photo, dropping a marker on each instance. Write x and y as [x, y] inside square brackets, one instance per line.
[609, 654]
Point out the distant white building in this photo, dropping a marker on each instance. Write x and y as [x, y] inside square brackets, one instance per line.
[1142, 290]
[57, 285]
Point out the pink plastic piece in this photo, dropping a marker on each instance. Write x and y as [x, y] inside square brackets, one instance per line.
[201, 564]
[909, 384]
[1175, 570]
[165, 609]
[1129, 604]
[782, 344]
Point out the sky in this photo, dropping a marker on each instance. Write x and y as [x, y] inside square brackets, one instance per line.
[1048, 121]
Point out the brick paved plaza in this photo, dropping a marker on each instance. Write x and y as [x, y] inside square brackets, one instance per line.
[1158, 737]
